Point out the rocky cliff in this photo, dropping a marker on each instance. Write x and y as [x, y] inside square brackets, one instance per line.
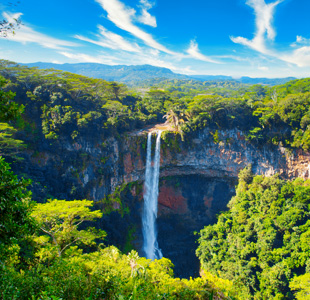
[201, 155]
[198, 177]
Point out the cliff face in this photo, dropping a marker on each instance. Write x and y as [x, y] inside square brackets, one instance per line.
[93, 167]
[198, 177]
[226, 158]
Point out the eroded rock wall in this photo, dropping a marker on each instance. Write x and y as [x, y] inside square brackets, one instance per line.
[93, 166]
[200, 155]
[198, 178]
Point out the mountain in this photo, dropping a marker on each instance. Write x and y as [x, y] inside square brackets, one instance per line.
[265, 81]
[244, 79]
[212, 77]
[136, 74]
[120, 73]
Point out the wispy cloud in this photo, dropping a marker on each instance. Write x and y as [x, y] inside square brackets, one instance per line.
[233, 57]
[111, 40]
[300, 40]
[263, 68]
[149, 56]
[123, 18]
[194, 52]
[265, 33]
[26, 34]
[299, 57]
[264, 30]
[82, 57]
[146, 18]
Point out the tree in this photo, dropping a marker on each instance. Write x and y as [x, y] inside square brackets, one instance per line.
[172, 119]
[302, 285]
[118, 90]
[262, 242]
[9, 27]
[175, 119]
[60, 220]
[15, 207]
[9, 110]
[9, 145]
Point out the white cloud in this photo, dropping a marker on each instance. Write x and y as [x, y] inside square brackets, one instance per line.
[299, 57]
[264, 30]
[81, 57]
[300, 40]
[129, 58]
[193, 51]
[265, 33]
[263, 68]
[154, 52]
[147, 4]
[147, 19]
[111, 40]
[233, 57]
[25, 34]
[123, 16]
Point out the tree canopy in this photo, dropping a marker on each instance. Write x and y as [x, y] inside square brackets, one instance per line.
[60, 222]
[15, 208]
[262, 242]
[71, 104]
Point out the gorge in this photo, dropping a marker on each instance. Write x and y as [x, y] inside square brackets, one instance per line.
[84, 138]
[197, 179]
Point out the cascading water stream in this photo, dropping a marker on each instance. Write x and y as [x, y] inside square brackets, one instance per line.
[150, 245]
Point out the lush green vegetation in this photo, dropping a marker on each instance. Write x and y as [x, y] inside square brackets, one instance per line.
[260, 247]
[262, 243]
[50, 250]
[9, 110]
[47, 252]
[67, 104]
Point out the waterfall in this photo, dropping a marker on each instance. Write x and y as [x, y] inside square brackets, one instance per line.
[150, 245]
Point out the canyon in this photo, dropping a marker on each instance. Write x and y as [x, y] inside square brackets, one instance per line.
[197, 179]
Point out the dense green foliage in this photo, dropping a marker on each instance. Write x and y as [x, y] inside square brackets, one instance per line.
[262, 242]
[9, 110]
[98, 273]
[70, 105]
[59, 222]
[260, 247]
[104, 274]
[15, 204]
[148, 75]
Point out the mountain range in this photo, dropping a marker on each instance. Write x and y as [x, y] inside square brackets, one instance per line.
[140, 73]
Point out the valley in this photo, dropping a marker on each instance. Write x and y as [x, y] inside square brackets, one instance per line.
[86, 138]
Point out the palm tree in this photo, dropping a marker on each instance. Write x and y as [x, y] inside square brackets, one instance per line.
[175, 119]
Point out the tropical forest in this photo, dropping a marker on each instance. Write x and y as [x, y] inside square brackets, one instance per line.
[136, 180]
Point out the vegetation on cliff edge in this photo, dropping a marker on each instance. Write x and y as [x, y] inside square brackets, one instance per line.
[262, 243]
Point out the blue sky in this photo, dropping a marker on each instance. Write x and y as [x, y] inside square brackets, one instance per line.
[256, 38]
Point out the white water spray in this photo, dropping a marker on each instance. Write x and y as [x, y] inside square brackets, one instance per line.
[150, 245]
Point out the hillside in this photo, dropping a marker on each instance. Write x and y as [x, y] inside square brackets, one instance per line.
[144, 73]
[244, 79]
[122, 73]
